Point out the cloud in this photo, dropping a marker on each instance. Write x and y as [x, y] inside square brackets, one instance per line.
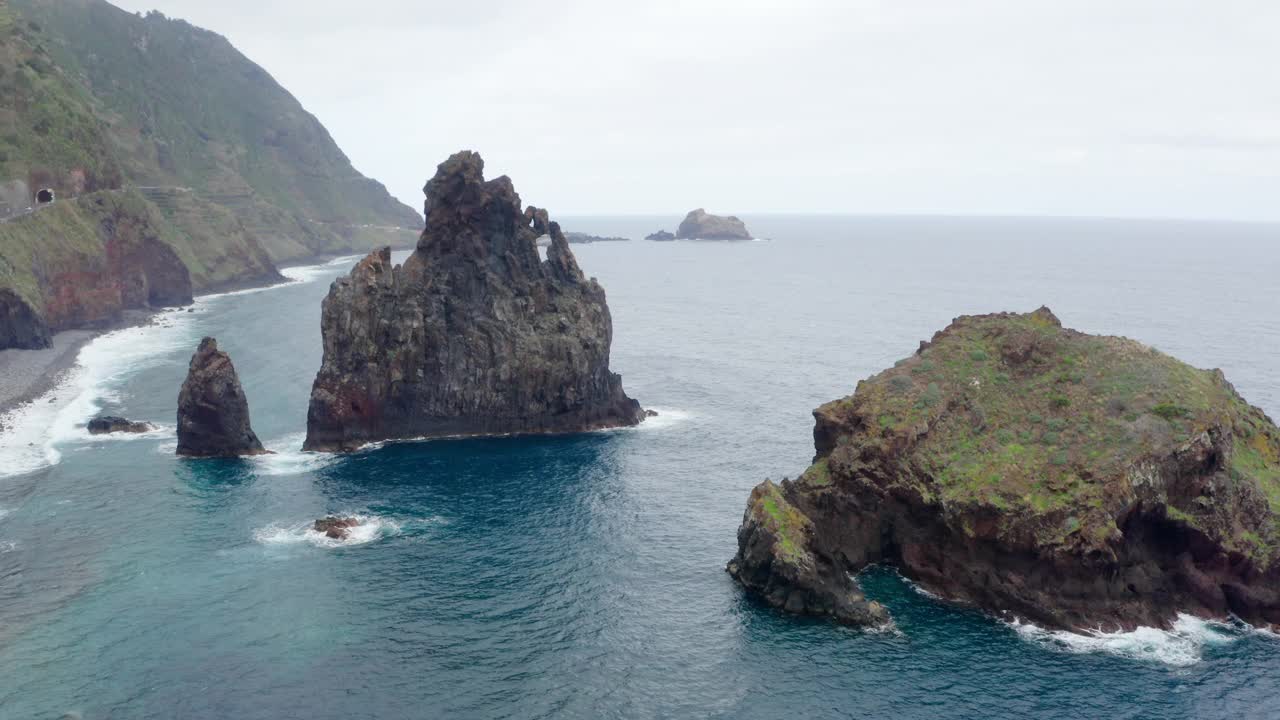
[1003, 106]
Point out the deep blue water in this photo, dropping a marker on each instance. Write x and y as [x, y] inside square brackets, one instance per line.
[583, 576]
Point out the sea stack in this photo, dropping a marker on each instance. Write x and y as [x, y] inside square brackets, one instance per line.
[213, 414]
[474, 334]
[701, 225]
[1076, 481]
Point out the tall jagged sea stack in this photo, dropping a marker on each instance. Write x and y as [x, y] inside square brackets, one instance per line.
[474, 334]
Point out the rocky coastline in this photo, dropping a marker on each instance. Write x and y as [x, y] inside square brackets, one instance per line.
[1076, 481]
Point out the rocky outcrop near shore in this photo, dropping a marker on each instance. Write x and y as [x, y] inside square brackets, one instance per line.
[1076, 481]
[110, 424]
[701, 225]
[213, 414]
[660, 236]
[473, 335]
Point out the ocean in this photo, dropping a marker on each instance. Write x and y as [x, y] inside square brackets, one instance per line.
[583, 576]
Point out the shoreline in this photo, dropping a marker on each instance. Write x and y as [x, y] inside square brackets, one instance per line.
[26, 376]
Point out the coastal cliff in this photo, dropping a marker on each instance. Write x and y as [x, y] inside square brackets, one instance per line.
[474, 334]
[1073, 480]
[179, 166]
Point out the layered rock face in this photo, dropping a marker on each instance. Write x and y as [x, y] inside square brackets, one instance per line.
[1073, 480]
[213, 414]
[89, 260]
[701, 225]
[473, 335]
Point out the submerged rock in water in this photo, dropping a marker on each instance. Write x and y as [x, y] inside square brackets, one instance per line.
[701, 225]
[661, 236]
[337, 528]
[1074, 480]
[473, 335]
[111, 424]
[213, 414]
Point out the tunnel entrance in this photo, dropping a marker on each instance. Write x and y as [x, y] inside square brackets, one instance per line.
[44, 196]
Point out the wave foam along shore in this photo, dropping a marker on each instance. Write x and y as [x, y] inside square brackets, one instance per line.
[1180, 646]
[371, 527]
[70, 384]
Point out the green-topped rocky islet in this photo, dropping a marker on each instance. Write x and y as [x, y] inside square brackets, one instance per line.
[1072, 480]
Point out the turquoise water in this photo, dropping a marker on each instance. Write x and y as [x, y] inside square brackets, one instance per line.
[583, 576]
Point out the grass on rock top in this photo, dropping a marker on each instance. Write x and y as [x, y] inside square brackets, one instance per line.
[789, 525]
[1014, 412]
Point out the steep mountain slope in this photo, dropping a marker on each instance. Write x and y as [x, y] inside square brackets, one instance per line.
[50, 135]
[183, 108]
[162, 128]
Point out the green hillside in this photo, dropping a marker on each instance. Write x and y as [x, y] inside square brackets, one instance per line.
[183, 108]
[50, 134]
[191, 144]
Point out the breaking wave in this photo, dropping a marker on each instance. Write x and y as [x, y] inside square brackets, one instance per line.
[288, 458]
[1179, 646]
[35, 431]
[666, 418]
[371, 527]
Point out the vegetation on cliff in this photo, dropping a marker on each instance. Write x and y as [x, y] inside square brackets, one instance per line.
[1075, 479]
[181, 107]
[184, 135]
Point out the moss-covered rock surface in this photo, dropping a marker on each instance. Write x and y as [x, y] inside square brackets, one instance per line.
[1072, 479]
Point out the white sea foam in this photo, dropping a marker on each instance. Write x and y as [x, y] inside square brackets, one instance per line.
[371, 527]
[157, 432]
[666, 418]
[36, 430]
[1180, 646]
[288, 458]
[307, 273]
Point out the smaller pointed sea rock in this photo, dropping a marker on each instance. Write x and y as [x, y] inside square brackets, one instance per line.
[213, 414]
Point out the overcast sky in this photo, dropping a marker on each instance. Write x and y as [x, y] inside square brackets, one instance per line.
[1154, 108]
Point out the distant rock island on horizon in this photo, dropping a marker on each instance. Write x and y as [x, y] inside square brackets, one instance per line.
[701, 225]
[1080, 482]
[474, 334]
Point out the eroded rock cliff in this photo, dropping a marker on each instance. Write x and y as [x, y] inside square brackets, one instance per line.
[213, 414]
[21, 325]
[1073, 480]
[474, 335]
